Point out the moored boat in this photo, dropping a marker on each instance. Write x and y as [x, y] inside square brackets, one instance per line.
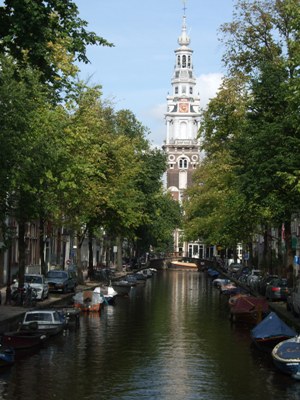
[122, 287]
[108, 293]
[88, 301]
[7, 356]
[271, 331]
[286, 357]
[23, 339]
[184, 265]
[249, 309]
[49, 322]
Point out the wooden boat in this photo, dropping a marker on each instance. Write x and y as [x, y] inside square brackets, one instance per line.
[286, 357]
[7, 357]
[23, 339]
[88, 301]
[49, 322]
[271, 331]
[184, 265]
[249, 309]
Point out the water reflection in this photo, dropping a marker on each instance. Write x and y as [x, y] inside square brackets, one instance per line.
[171, 339]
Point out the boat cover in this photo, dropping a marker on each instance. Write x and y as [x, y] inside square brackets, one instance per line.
[272, 326]
[249, 304]
[288, 350]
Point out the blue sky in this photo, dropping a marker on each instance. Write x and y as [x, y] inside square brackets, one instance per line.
[136, 73]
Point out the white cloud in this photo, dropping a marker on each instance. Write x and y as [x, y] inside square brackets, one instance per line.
[207, 86]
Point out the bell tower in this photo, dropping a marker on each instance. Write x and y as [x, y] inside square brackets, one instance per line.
[182, 145]
[182, 120]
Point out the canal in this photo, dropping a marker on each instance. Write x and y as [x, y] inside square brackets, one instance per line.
[171, 339]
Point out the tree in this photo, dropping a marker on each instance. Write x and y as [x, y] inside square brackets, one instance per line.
[263, 44]
[47, 36]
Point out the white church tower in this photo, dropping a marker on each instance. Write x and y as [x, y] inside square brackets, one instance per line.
[182, 145]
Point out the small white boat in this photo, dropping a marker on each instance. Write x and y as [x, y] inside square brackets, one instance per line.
[50, 322]
[108, 293]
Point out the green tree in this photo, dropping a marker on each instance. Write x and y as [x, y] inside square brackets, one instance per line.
[46, 35]
[263, 44]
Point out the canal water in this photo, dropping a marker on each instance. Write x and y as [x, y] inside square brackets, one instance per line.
[171, 339]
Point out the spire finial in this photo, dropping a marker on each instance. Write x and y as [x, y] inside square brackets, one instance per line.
[184, 6]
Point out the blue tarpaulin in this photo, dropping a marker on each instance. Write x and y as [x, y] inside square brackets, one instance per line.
[272, 326]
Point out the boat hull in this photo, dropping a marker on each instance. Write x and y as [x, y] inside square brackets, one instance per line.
[286, 357]
[184, 266]
[20, 340]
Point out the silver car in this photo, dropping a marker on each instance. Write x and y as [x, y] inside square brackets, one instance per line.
[36, 281]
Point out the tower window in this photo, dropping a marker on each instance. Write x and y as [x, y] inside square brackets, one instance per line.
[191, 90]
[189, 61]
[183, 61]
[176, 89]
[183, 163]
[183, 90]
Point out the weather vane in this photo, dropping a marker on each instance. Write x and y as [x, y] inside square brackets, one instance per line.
[184, 6]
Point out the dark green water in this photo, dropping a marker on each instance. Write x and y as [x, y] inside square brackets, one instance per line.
[171, 339]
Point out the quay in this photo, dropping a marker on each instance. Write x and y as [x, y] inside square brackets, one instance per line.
[11, 315]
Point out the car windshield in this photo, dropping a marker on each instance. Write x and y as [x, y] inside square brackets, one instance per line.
[38, 317]
[56, 274]
[33, 279]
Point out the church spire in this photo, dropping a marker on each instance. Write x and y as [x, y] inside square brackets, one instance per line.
[184, 39]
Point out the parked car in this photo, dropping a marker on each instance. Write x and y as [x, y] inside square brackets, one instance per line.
[61, 281]
[277, 289]
[254, 278]
[36, 281]
[264, 282]
[234, 268]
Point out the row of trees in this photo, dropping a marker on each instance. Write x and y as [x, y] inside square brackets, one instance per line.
[249, 181]
[66, 155]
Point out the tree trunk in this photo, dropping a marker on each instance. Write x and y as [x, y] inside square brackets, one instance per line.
[91, 266]
[42, 246]
[289, 253]
[119, 254]
[22, 252]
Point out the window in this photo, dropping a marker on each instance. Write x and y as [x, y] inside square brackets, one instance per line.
[178, 61]
[176, 90]
[183, 61]
[191, 90]
[189, 61]
[183, 163]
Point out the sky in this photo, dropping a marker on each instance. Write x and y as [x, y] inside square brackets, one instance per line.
[136, 74]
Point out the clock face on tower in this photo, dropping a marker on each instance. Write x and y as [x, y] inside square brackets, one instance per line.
[183, 107]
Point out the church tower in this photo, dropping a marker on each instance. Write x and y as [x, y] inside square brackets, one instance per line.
[182, 146]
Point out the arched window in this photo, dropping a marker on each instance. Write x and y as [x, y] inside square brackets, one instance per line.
[183, 61]
[183, 163]
[189, 61]
[178, 61]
